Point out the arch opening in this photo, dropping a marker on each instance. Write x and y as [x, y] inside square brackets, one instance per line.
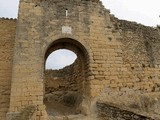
[65, 88]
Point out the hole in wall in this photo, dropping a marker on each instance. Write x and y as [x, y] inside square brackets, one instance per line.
[110, 39]
[66, 12]
[143, 65]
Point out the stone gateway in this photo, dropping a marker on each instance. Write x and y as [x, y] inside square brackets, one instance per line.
[116, 75]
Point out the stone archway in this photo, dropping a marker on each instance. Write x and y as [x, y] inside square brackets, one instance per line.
[65, 88]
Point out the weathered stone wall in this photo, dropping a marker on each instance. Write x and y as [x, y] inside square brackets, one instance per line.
[139, 83]
[66, 79]
[40, 26]
[7, 39]
[148, 36]
[118, 57]
[139, 53]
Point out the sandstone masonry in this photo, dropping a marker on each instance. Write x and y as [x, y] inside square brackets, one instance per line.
[118, 61]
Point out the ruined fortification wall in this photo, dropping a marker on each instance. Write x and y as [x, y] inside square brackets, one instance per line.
[140, 54]
[120, 57]
[140, 45]
[66, 79]
[7, 39]
[149, 37]
[139, 85]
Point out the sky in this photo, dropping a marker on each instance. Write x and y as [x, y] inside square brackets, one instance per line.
[146, 12]
[60, 58]
[142, 11]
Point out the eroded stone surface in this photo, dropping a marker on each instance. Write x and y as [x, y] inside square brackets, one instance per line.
[117, 56]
